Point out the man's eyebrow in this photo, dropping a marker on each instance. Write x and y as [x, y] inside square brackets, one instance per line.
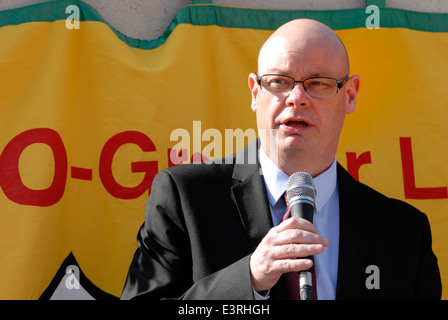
[318, 73]
[312, 74]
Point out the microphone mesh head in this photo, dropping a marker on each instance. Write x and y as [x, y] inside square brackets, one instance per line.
[300, 184]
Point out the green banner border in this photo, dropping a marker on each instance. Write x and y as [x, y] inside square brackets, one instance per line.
[230, 17]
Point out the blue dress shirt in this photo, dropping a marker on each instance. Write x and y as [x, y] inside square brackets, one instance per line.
[326, 219]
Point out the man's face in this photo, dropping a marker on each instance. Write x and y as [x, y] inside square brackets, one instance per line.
[305, 126]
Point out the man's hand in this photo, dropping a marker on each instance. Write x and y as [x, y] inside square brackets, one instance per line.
[277, 253]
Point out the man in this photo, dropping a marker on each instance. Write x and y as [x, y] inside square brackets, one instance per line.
[215, 231]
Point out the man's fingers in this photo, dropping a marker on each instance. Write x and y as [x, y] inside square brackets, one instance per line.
[297, 230]
[295, 251]
[296, 223]
[285, 249]
[292, 265]
[296, 236]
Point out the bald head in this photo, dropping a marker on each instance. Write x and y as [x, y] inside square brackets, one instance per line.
[304, 38]
[304, 127]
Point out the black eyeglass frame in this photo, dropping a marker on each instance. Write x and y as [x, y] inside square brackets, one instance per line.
[340, 83]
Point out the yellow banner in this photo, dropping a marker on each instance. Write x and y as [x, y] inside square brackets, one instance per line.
[90, 116]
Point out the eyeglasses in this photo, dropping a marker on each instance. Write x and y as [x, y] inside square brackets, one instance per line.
[316, 87]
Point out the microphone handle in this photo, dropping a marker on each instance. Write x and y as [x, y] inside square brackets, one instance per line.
[306, 285]
[304, 210]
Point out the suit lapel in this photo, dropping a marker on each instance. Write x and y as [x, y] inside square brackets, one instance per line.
[353, 226]
[249, 194]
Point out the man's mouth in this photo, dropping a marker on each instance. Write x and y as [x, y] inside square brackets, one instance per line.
[296, 124]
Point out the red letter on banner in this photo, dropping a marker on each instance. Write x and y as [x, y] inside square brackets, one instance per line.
[354, 163]
[10, 179]
[150, 168]
[410, 191]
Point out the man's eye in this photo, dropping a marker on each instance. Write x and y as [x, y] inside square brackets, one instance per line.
[277, 81]
[319, 83]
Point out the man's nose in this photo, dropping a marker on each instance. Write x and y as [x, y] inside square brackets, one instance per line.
[298, 97]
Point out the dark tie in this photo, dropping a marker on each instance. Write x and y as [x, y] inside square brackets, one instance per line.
[292, 278]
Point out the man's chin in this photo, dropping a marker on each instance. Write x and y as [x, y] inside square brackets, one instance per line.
[294, 145]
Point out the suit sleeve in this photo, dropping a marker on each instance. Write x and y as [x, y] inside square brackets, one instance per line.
[428, 283]
[163, 267]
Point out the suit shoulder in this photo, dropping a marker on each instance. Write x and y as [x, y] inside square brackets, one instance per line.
[197, 172]
[387, 207]
[398, 206]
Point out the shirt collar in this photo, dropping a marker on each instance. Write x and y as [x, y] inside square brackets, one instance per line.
[274, 178]
[326, 185]
[276, 181]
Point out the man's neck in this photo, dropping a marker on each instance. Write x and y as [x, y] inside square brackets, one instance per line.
[290, 163]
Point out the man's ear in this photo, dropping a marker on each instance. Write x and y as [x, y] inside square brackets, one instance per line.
[353, 85]
[253, 86]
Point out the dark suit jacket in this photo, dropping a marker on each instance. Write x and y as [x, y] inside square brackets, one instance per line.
[203, 221]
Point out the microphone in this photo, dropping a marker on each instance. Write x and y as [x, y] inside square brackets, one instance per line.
[301, 194]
